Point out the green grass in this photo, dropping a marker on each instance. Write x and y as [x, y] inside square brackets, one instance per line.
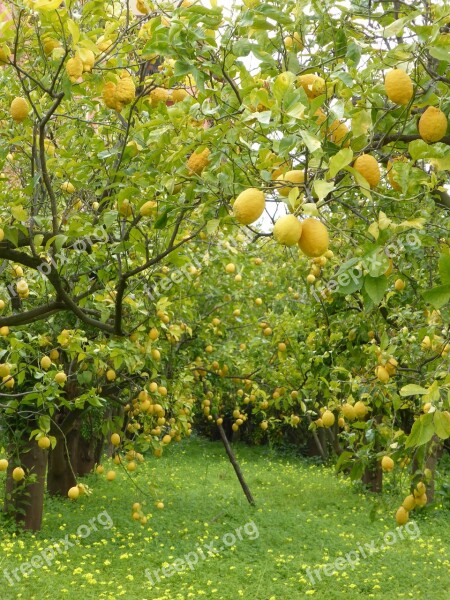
[305, 515]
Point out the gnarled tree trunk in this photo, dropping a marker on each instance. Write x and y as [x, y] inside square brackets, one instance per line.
[25, 501]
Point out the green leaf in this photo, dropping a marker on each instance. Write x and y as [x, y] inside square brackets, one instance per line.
[311, 141]
[375, 287]
[444, 268]
[441, 53]
[19, 213]
[340, 160]
[161, 221]
[438, 296]
[74, 31]
[442, 424]
[412, 390]
[422, 431]
[377, 263]
[323, 188]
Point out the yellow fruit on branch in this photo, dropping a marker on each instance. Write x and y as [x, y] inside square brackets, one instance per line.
[368, 167]
[8, 381]
[44, 442]
[3, 464]
[314, 239]
[360, 409]
[19, 109]
[158, 95]
[73, 492]
[18, 474]
[178, 95]
[401, 516]
[382, 374]
[387, 464]
[74, 68]
[68, 187]
[328, 418]
[125, 91]
[49, 45]
[110, 475]
[312, 84]
[148, 208]
[287, 230]
[399, 285]
[296, 177]
[249, 206]
[339, 133]
[4, 54]
[398, 86]
[432, 125]
[348, 411]
[409, 502]
[421, 500]
[198, 161]
[109, 96]
[293, 43]
[115, 439]
[88, 59]
[61, 378]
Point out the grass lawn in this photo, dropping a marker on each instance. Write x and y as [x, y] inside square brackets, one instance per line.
[305, 517]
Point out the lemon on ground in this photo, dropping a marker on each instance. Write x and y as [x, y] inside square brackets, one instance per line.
[249, 206]
[287, 230]
[368, 167]
[314, 239]
[297, 177]
[328, 418]
[432, 125]
[110, 475]
[19, 109]
[398, 86]
[401, 516]
[100, 469]
[387, 464]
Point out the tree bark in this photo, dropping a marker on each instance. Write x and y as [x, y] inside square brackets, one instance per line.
[62, 463]
[236, 466]
[88, 454]
[25, 501]
[373, 477]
